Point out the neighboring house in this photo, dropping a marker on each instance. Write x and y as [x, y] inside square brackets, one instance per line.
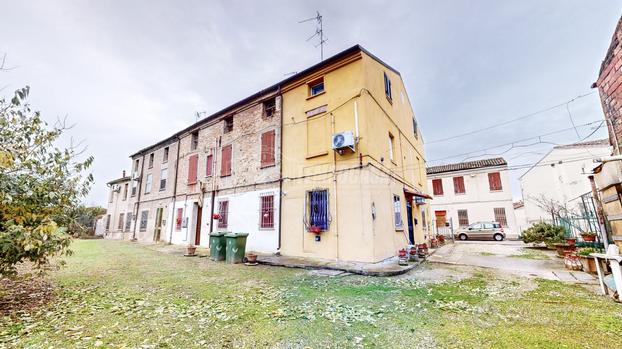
[519, 214]
[362, 201]
[117, 219]
[473, 191]
[608, 175]
[560, 178]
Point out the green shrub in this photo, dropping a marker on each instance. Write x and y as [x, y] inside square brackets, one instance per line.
[544, 232]
[585, 251]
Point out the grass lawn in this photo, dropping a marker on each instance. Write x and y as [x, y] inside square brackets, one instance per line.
[121, 295]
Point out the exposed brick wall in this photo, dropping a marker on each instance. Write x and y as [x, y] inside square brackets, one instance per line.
[610, 88]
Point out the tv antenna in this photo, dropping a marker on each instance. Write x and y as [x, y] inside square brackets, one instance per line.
[199, 115]
[319, 32]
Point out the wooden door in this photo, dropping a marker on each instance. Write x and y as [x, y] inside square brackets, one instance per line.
[197, 234]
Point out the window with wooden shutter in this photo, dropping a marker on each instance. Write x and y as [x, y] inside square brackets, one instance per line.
[437, 186]
[193, 161]
[179, 218]
[463, 218]
[494, 180]
[144, 215]
[266, 212]
[223, 212]
[500, 216]
[267, 149]
[225, 166]
[459, 185]
[209, 163]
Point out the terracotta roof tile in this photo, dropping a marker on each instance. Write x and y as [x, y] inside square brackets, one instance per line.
[469, 165]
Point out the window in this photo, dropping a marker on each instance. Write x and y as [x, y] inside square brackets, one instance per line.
[459, 185]
[225, 166]
[437, 186]
[463, 218]
[194, 140]
[269, 107]
[494, 180]
[193, 162]
[223, 211]
[151, 157]
[267, 149]
[316, 87]
[397, 210]
[134, 187]
[165, 155]
[179, 219]
[209, 165]
[387, 87]
[266, 210]
[391, 146]
[136, 163]
[148, 183]
[228, 124]
[163, 178]
[317, 210]
[500, 216]
[107, 222]
[120, 223]
[144, 215]
[128, 221]
[125, 190]
[415, 128]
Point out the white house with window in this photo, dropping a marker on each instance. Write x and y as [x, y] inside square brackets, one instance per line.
[470, 192]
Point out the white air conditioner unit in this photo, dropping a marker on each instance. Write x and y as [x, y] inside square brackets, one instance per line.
[116, 187]
[343, 141]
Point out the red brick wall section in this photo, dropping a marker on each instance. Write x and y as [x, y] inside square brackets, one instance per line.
[610, 88]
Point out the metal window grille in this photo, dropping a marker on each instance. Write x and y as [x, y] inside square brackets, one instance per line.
[463, 218]
[267, 211]
[143, 220]
[223, 211]
[500, 216]
[397, 209]
[318, 209]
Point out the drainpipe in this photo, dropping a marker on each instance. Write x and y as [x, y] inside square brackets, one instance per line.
[278, 248]
[170, 235]
[140, 187]
[336, 220]
[599, 213]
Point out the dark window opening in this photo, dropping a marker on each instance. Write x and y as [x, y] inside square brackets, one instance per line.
[269, 107]
[228, 124]
[194, 142]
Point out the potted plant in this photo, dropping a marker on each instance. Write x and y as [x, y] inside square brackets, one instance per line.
[588, 236]
[571, 240]
[564, 249]
[433, 243]
[589, 263]
[402, 257]
[191, 250]
[251, 258]
[441, 238]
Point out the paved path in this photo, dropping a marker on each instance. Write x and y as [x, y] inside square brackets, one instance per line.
[513, 257]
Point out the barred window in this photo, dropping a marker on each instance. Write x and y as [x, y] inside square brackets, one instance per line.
[317, 210]
[223, 211]
[397, 209]
[144, 215]
[500, 216]
[128, 221]
[463, 218]
[266, 203]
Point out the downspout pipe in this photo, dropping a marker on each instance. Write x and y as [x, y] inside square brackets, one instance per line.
[170, 235]
[280, 232]
[140, 187]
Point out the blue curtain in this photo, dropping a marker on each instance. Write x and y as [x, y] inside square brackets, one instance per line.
[319, 209]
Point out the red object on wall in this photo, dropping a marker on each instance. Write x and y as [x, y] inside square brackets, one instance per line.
[267, 148]
[178, 219]
[209, 164]
[193, 162]
[494, 180]
[459, 185]
[437, 186]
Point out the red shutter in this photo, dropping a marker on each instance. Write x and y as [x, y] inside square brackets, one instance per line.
[459, 185]
[225, 168]
[180, 212]
[267, 149]
[494, 180]
[437, 186]
[208, 166]
[192, 168]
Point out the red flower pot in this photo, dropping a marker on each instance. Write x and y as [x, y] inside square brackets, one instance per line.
[216, 216]
[571, 241]
[589, 238]
[314, 229]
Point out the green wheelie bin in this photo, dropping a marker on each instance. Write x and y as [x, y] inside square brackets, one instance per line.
[217, 243]
[236, 247]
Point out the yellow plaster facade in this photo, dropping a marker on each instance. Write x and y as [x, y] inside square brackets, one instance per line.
[365, 186]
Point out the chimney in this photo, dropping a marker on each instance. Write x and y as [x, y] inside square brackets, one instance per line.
[123, 174]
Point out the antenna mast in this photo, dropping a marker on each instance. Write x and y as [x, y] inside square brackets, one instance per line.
[319, 31]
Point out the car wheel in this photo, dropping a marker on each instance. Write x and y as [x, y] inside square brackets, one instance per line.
[498, 237]
[462, 237]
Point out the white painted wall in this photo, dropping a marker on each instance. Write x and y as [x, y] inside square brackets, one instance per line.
[478, 200]
[521, 220]
[244, 211]
[564, 182]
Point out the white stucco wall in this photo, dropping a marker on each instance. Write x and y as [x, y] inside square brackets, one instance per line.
[564, 182]
[478, 199]
[244, 211]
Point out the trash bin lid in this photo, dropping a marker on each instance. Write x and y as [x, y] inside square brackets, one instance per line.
[217, 233]
[235, 235]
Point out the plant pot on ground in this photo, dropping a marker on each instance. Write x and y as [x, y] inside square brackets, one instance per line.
[571, 241]
[589, 263]
[251, 258]
[564, 249]
[588, 236]
[191, 250]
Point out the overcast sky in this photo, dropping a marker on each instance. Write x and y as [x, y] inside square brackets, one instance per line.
[130, 73]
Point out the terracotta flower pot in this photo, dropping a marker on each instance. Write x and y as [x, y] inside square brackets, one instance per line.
[251, 258]
[571, 241]
[191, 250]
[563, 249]
[589, 238]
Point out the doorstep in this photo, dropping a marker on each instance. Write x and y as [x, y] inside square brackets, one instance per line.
[387, 267]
